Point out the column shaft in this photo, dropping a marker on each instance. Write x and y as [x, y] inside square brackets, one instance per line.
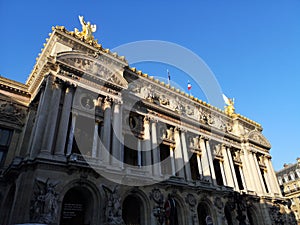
[117, 133]
[210, 160]
[205, 161]
[186, 157]
[178, 154]
[227, 168]
[41, 118]
[64, 122]
[155, 151]
[199, 166]
[223, 173]
[106, 131]
[49, 133]
[71, 135]
[95, 140]
[236, 186]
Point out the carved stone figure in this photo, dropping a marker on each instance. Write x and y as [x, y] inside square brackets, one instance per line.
[113, 207]
[44, 203]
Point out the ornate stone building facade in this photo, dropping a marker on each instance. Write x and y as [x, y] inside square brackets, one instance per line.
[289, 181]
[89, 140]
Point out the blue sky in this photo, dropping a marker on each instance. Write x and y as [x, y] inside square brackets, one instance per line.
[252, 47]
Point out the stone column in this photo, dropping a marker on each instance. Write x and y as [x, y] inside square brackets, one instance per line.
[155, 150]
[265, 174]
[199, 165]
[243, 178]
[186, 156]
[117, 133]
[106, 130]
[258, 177]
[236, 185]
[227, 168]
[223, 173]
[41, 118]
[139, 152]
[48, 138]
[178, 154]
[71, 134]
[247, 170]
[64, 122]
[210, 160]
[205, 161]
[172, 160]
[273, 178]
[95, 139]
[146, 154]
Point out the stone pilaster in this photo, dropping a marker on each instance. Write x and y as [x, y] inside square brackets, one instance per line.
[247, 169]
[48, 138]
[64, 121]
[41, 118]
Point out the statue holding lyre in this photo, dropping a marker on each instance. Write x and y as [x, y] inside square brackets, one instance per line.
[87, 29]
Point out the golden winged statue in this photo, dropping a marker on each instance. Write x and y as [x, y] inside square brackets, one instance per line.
[87, 29]
[229, 108]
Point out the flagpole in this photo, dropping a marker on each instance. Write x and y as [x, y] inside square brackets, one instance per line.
[169, 78]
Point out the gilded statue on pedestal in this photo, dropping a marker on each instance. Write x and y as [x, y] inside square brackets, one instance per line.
[87, 29]
[229, 109]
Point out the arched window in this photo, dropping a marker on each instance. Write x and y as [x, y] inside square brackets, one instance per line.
[203, 213]
[77, 207]
[133, 209]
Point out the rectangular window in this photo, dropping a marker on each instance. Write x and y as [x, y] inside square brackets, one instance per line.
[5, 138]
[194, 167]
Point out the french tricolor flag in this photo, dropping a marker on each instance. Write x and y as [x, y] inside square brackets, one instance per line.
[189, 86]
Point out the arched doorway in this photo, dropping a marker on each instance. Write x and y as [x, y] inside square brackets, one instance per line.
[228, 215]
[5, 213]
[133, 210]
[77, 207]
[203, 212]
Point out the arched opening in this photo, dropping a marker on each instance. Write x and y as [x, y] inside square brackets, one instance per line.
[133, 210]
[228, 215]
[7, 206]
[77, 207]
[203, 213]
[252, 217]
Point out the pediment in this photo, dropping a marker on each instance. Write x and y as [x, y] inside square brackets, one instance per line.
[258, 138]
[99, 66]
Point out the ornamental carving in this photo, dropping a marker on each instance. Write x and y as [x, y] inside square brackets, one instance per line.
[258, 138]
[156, 196]
[12, 112]
[218, 151]
[44, 204]
[102, 68]
[113, 209]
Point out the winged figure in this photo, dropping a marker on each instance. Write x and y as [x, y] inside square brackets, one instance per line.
[87, 29]
[229, 109]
